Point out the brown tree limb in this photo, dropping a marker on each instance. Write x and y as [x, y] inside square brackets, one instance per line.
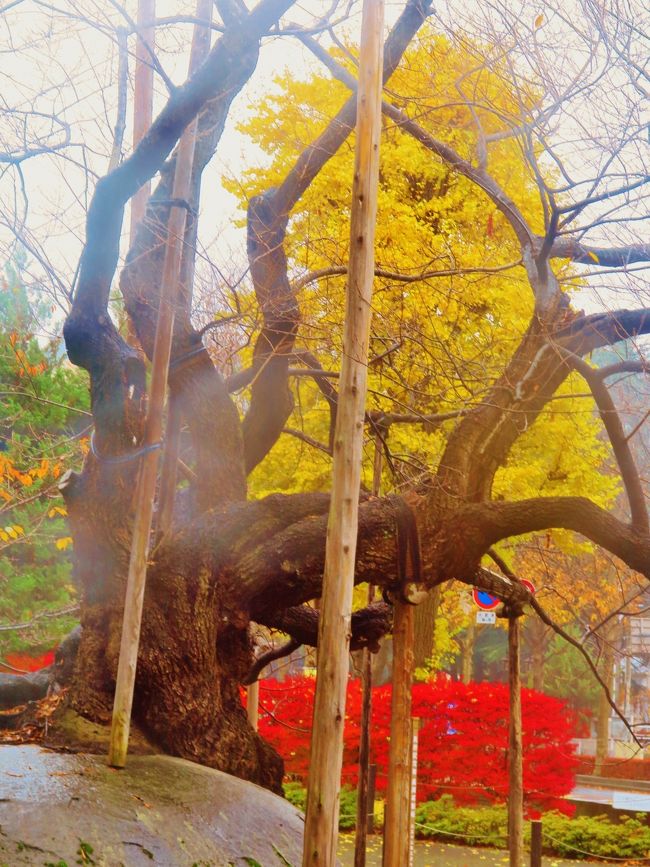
[619, 442]
[500, 520]
[286, 568]
[610, 257]
[305, 438]
[587, 333]
[639, 365]
[268, 657]
[368, 626]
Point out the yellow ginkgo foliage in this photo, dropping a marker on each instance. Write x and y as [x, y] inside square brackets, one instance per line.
[452, 300]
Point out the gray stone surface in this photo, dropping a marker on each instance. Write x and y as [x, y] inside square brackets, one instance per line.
[61, 810]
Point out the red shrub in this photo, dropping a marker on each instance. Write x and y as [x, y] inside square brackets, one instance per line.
[462, 744]
[27, 662]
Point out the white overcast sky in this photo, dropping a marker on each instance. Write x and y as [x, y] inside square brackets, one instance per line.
[53, 62]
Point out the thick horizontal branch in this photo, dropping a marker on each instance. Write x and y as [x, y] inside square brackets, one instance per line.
[610, 257]
[287, 568]
[499, 520]
[429, 420]
[587, 333]
[368, 625]
[637, 365]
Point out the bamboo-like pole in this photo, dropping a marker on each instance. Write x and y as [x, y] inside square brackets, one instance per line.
[361, 837]
[515, 753]
[321, 821]
[168, 474]
[142, 100]
[148, 471]
[142, 115]
[253, 703]
[414, 787]
[398, 795]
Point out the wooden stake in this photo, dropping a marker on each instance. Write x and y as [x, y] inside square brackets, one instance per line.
[414, 787]
[361, 836]
[142, 100]
[398, 795]
[168, 473]
[536, 843]
[253, 703]
[149, 467]
[515, 767]
[321, 821]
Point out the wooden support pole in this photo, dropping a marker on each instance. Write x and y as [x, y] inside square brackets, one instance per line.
[253, 703]
[142, 100]
[398, 795]
[168, 473]
[321, 820]
[536, 843]
[149, 463]
[372, 787]
[515, 752]
[414, 787]
[361, 836]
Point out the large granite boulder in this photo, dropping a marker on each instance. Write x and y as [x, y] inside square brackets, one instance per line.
[61, 810]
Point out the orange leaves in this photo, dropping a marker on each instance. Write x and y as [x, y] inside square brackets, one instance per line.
[64, 542]
[24, 365]
[26, 478]
[11, 531]
[43, 469]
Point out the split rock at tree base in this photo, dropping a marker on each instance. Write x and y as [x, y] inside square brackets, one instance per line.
[58, 808]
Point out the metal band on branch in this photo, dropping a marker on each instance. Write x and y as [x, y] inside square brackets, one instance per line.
[176, 363]
[177, 203]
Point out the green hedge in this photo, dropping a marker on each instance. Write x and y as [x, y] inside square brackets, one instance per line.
[575, 837]
[598, 835]
[477, 826]
[296, 794]
[486, 826]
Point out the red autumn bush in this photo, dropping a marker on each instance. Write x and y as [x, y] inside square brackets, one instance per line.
[27, 662]
[462, 743]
